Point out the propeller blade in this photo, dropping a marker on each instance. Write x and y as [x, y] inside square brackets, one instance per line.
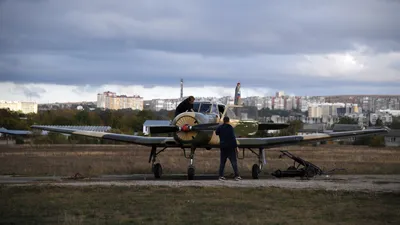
[206, 126]
[272, 126]
[163, 129]
[172, 128]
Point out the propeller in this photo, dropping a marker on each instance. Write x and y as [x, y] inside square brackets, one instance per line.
[184, 128]
[163, 129]
[272, 126]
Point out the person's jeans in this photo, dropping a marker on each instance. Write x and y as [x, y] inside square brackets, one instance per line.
[231, 154]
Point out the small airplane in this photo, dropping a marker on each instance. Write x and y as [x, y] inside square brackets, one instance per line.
[193, 130]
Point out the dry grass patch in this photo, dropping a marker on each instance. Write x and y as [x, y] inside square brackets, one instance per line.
[189, 205]
[93, 160]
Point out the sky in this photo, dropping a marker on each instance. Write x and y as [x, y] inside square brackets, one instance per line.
[60, 51]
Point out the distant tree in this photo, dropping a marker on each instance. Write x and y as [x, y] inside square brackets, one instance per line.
[395, 122]
[347, 120]
[82, 118]
[378, 122]
[294, 127]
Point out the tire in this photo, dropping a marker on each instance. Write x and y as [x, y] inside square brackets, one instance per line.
[255, 171]
[190, 173]
[157, 170]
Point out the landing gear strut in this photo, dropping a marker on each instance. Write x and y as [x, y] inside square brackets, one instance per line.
[191, 169]
[257, 168]
[156, 168]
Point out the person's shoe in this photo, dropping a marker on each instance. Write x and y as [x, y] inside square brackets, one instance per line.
[238, 178]
[221, 178]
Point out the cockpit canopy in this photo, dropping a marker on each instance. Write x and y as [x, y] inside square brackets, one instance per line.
[207, 107]
[213, 108]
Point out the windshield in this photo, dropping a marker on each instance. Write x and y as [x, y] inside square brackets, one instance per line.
[205, 108]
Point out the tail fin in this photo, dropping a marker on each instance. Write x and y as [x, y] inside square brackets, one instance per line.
[237, 99]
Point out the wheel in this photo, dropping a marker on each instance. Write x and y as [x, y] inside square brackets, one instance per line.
[310, 172]
[190, 172]
[255, 170]
[157, 169]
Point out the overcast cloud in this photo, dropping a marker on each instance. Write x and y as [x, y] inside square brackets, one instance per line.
[70, 50]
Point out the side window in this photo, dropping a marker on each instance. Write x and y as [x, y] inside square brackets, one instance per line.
[230, 114]
[196, 106]
[214, 109]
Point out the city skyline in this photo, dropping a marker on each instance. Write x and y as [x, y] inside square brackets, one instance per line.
[70, 51]
[81, 94]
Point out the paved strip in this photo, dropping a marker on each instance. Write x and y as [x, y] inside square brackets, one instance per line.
[363, 183]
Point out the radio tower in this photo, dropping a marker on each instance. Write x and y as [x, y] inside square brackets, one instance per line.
[181, 88]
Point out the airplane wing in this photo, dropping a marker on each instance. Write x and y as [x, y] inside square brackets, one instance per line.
[296, 139]
[14, 132]
[140, 140]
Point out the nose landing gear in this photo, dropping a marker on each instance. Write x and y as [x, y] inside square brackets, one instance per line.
[191, 168]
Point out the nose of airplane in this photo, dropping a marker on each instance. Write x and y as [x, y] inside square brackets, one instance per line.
[186, 128]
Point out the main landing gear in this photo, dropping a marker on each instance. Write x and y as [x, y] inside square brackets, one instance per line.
[256, 168]
[157, 168]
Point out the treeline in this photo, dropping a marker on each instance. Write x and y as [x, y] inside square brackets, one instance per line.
[373, 141]
[129, 121]
[124, 121]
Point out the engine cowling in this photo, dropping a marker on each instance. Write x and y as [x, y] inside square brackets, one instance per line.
[186, 120]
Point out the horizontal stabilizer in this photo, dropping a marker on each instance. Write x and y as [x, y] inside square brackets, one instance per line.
[272, 126]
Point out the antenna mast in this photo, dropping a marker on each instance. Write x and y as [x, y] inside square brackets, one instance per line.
[181, 88]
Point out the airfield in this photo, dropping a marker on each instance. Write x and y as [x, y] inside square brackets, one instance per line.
[85, 184]
[357, 168]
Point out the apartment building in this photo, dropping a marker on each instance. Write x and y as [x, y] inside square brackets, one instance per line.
[110, 100]
[24, 107]
[332, 109]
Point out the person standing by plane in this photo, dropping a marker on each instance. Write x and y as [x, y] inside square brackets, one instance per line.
[185, 105]
[228, 148]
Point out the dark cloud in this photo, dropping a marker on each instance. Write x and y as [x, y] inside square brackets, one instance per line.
[29, 92]
[205, 42]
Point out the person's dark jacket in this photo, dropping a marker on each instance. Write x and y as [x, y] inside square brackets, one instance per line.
[227, 136]
[183, 107]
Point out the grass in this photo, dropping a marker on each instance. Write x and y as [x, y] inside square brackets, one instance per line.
[93, 160]
[190, 205]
